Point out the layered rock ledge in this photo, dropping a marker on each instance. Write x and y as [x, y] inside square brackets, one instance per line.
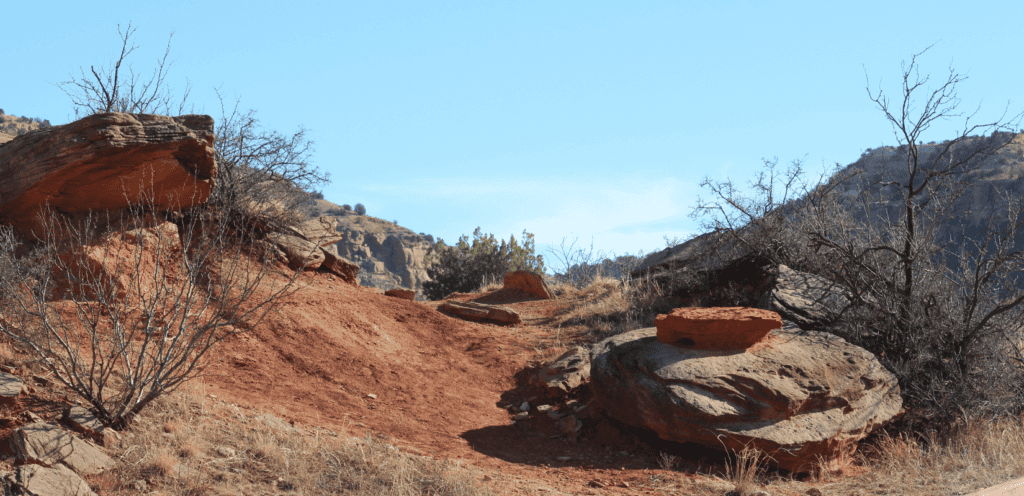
[105, 162]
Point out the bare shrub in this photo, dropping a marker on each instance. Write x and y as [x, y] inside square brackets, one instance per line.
[123, 309]
[263, 175]
[943, 314]
[109, 89]
[578, 265]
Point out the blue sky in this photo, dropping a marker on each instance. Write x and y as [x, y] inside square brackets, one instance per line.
[595, 120]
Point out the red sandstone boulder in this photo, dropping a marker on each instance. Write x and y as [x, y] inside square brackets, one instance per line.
[529, 282]
[716, 327]
[405, 294]
[105, 162]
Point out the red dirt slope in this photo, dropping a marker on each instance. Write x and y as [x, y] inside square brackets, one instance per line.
[330, 345]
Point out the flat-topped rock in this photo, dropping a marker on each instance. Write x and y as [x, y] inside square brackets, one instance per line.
[716, 327]
[322, 230]
[37, 480]
[49, 444]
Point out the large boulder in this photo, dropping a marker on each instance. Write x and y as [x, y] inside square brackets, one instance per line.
[37, 480]
[796, 395]
[106, 162]
[529, 282]
[322, 230]
[717, 327]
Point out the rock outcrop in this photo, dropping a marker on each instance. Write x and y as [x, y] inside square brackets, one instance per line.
[106, 161]
[731, 276]
[301, 253]
[529, 282]
[388, 255]
[479, 312]
[796, 395]
[716, 328]
[344, 268]
[310, 245]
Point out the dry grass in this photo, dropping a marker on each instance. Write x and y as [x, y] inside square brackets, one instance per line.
[745, 471]
[979, 453]
[608, 306]
[491, 284]
[188, 444]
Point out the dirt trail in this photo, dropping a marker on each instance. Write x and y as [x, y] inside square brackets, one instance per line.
[439, 384]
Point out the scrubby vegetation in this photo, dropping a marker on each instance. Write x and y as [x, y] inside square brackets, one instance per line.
[464, 267]
[17, 126]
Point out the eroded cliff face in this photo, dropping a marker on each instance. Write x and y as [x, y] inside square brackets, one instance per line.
[388, 255]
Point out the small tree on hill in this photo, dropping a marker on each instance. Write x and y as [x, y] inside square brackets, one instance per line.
[360, 209]
[465, 266]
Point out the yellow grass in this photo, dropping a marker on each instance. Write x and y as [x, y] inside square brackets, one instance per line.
[188, 444]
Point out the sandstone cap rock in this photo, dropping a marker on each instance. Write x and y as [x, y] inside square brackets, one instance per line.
[716, 327]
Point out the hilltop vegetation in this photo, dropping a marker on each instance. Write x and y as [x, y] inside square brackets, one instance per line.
[11, 126]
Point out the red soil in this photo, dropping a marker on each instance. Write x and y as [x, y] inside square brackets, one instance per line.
[439, 384]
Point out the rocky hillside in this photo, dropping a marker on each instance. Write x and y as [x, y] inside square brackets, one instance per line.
[998, 178]
[11, 126]
[388, 255]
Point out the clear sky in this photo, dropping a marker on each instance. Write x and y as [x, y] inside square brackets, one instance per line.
[595, 120]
